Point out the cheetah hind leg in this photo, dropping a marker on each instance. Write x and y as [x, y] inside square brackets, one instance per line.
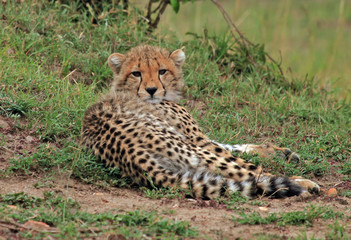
[266, 150]
[306, 184]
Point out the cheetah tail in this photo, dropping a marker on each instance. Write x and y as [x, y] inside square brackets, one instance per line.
[207, 185]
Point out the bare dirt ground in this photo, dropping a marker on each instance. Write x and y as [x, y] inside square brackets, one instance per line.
[210, 218]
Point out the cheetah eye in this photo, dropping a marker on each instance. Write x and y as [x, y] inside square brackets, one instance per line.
[162, 71]
[136, 74]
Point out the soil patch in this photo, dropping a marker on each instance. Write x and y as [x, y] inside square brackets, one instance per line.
[213, 220]
[14, 141]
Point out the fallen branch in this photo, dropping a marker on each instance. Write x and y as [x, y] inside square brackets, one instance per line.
[20, 227]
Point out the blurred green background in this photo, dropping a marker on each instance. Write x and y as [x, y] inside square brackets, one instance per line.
[311, 37]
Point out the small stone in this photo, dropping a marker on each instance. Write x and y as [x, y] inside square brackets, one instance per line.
[30, 139]
[12, 206]
[263, 209]
[35, 225]
[332, 192]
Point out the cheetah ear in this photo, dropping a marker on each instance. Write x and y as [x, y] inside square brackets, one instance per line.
[178, 56]
[115, 61]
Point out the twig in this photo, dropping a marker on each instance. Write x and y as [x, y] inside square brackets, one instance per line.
[230, 23]
[157, 8]
[154, 24]
[148, 14]
[233, 27]
[125, 4]
[243, 39]
[17, 227]
[9, 150]
[337, 184]
[279, 189]
[70, 75]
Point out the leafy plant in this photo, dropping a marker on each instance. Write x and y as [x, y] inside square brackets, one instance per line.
[159, 10]
[11, 108]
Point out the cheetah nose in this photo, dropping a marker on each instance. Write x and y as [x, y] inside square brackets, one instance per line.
[151, 90]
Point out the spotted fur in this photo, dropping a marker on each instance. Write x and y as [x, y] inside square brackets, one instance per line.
[139, 128]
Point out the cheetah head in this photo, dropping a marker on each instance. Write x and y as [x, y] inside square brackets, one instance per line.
[151, 73]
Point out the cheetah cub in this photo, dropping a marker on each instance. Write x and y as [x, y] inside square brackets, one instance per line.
[139, 128]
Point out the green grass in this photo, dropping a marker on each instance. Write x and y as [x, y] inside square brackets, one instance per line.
[53, 66]
[71, 222]
[337, 232]
[50, 160]
[234, 201]
[305, 217]
[245, 104]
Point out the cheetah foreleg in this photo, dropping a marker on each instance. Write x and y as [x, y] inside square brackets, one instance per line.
[266, 150]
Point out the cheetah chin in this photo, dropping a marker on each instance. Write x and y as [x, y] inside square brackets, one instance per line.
[153, 100]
